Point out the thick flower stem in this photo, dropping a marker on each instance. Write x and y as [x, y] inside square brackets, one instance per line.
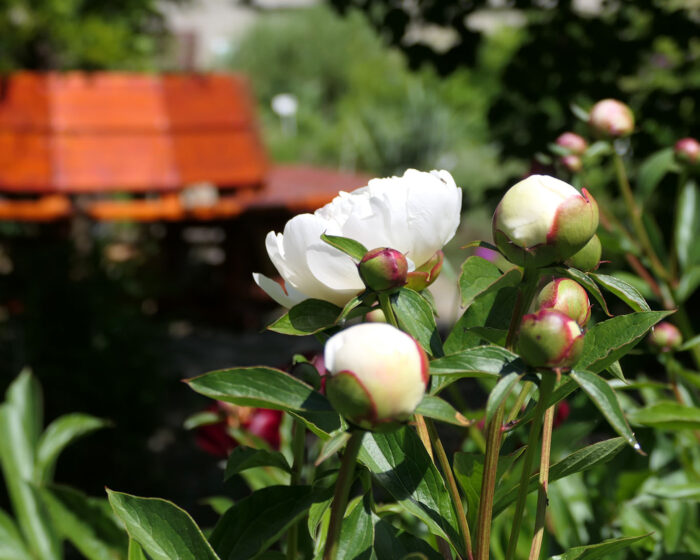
[385, 304]
[298, 441]
[542, 496]
[488, 484]
[635, 214]
[451, 487]
[546, 388]
[342, 491]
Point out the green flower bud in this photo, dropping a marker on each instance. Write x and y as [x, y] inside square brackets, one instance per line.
[611, 118]
[542, 220]
[588, 258]
[420, 278]
[383, 269]
[687, 151]
[665, 337]
[377, 375]
[549, 339]
[567, 296]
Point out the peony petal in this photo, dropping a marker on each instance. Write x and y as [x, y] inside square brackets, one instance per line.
[276, 292]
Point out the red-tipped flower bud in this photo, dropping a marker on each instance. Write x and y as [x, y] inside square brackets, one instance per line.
[549, 339]
[383, 269]
[588, 258]
[572, 142]
[665, 337]
[420, 278]
[542, 220]
[572, 162]
[611, 118]
[567, 296]
[687, 151]
[378, 375]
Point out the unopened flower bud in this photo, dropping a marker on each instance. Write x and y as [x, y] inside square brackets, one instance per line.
[665, 337]
[542, 220]
[572, 142]
[383, 269]
[611, 118]
[567, 296]
[687, 151]
[588, 258]
[420, 278]
[572, 162]
[378, 375]
[549, 339]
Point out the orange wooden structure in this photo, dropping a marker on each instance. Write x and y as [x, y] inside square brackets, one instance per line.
[144, 148]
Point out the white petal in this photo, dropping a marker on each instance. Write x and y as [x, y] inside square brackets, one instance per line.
[276, 292]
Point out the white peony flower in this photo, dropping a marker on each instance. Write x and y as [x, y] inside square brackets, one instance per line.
[416, 214]
[377, 374]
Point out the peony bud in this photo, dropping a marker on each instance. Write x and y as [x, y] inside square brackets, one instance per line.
[567, 296]
[611, 118]
[572, 142]
[665, 337]
[687, 151]
[572, 163]
[549, 339]
[542, 220]
[420, 278]
[383, 269]
[588, 258]
[378, 375]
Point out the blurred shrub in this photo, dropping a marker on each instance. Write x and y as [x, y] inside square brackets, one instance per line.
[80, 34]
[360, 107]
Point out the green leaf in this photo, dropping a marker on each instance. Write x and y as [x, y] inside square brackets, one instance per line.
[256, 522]
[601, 147]
[500, 393]
[601, 550]
[243, 458]
[12, 546]
[60, 434]
[615, 370]
[20, 424]
[439, 409]
[399, 462]
[687, 222]
[321, 423]
[416, 317]
[218, 503]
[348, 246]
[585, 281]
[609, 340]
[336, 442]
[482, 361]
[165, 531]
[666, 415]
[651, 171]
[562, 390]
[688, 344]
[689, 282]
[357, 533]
[605, 399]
[579, 112]
[578, 461]
[626, 292]
[490, 335]
[261, 387]
[308, 317]
[135, 551]
[390, 543]
[87, 523]
[683, 491]
[480, 277]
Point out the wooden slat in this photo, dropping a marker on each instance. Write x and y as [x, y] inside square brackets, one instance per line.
[24, 102]
[25, 162]
[45, 209]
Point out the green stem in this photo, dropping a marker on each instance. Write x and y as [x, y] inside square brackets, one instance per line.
[385, 304]
[298, 441]
[673, 258]
[546, 388]
[488, 484]
[342, 491]
[542, 498]
[451, 487]
[522, 303]
[635, 215]
[519, 402]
